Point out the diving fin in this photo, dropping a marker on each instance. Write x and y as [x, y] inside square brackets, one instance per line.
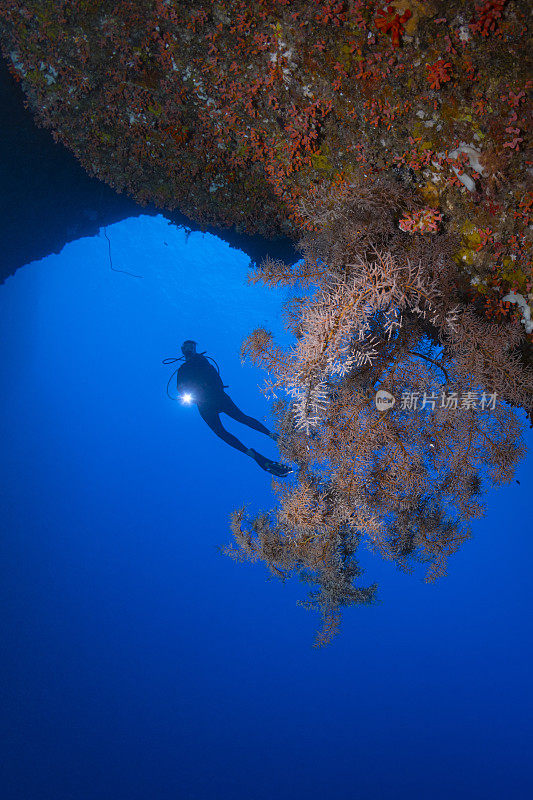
[273, 467]
[277, 469]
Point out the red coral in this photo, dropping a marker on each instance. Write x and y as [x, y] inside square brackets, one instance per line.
[514, 131]
[389, 21]
[485, 236]
[487, 17]
[331, 12]
[438, 73]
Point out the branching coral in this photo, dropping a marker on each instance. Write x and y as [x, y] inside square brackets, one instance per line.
[408, 479]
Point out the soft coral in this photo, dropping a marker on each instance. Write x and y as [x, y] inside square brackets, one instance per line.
[389, 21]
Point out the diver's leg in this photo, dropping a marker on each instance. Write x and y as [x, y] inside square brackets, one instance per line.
[210, 415]
[228, 407]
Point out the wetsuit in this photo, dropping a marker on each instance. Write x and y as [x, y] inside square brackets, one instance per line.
[198, 377]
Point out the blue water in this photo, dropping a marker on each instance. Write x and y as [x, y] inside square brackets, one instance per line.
[137, 662]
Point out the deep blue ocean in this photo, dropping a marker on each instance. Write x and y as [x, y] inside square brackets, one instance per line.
[139, 663]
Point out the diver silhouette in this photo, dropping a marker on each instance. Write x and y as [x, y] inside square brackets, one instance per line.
[200, 383]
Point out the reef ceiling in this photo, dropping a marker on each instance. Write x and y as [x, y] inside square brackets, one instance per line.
[47, 199]
[233, 113]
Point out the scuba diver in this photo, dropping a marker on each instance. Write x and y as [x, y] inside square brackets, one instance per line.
[199, 382]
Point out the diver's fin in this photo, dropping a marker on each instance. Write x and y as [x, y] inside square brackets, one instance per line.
[277, 469]
[273, 467]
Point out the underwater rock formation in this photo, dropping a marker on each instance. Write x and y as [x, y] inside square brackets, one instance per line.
[47, 199]
[234, 112]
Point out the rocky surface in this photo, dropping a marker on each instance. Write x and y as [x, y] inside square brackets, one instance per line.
[47, 199]
[236, 112]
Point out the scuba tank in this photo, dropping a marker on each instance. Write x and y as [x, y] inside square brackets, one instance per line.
[176, 361]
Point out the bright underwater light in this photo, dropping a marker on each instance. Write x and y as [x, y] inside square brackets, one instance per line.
[186, 398]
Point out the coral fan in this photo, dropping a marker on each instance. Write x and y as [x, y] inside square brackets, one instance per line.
[407, 479]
